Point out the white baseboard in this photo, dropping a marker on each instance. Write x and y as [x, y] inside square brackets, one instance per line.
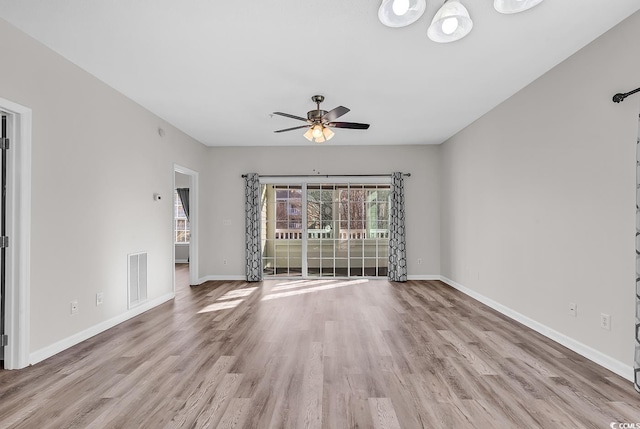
[614, 365]
[228, 277]
[241, 277]
[57, 347]
[423, 277]
[237, 277]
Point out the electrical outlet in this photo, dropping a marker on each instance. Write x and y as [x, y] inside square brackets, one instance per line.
[99, 297]
[224, 261]
[74, 306]
[605, 321]
[573, 309]
[419, 261]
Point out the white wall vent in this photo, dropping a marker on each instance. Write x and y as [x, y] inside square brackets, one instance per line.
[137, 271]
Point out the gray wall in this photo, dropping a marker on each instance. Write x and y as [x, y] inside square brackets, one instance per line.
[538, 197]
[97, 161]
[226, 201]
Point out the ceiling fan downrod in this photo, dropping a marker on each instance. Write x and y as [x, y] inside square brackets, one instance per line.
[316, 115]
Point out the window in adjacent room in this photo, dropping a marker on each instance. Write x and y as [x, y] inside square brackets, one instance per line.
[182, 233]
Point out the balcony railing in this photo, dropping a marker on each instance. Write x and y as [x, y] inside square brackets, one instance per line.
[288, 234]
[343, 234]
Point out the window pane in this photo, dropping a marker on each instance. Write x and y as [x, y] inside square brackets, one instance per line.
[267, 266]
[281, 210]
[327, 193]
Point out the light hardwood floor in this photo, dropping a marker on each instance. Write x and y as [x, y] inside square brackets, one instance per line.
[317, 354]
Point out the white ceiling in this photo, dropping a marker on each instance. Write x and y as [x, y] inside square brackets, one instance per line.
[217, 69]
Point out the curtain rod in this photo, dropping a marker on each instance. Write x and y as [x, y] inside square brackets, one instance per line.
[620, 97]
[326, 175]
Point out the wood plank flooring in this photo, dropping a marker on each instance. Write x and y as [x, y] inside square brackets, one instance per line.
[317, 354]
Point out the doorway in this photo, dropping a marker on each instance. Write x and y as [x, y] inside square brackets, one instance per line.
[16, 210]
[4, 239]
[184, 209]
[336, 229]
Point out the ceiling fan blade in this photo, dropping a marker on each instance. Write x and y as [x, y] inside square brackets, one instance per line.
[291, 116]
[352, 125]
[291, 129]
[335, 114]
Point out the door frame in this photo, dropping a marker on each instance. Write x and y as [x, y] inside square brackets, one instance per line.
[303, 181]
[193, 224]
[18, 284]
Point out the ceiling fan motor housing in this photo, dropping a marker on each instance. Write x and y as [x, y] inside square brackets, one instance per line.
[316, 115]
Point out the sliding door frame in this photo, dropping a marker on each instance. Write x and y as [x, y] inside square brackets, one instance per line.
[303, 181]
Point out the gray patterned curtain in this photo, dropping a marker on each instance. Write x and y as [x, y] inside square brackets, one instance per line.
[252, 227]
[397, 240]
[183, 193]
[636, 362]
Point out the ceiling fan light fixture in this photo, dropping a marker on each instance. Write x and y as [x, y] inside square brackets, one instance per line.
[318, 133]
[400, 13]
[514, 6]
[452, 22]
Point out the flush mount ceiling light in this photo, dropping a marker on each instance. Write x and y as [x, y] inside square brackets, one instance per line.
[514, 6]
[450, 23]
[400, 13]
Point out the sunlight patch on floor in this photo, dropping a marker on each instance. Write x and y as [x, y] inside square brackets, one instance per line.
[297, 284]
[229, 300]
[293, 282]
[314, 289]
[223, 305]
[238, 293]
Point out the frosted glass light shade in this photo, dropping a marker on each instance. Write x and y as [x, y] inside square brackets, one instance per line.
[316, 131]
[328, 134]
[309, 135]
[452, 22]
[514, 6]
[388, 17]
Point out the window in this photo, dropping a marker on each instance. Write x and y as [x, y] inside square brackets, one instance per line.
[325, 229]
[288, 212]
[182, 232]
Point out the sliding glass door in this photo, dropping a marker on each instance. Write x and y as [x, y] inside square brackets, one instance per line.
[282, 230]
[364, 228]
[322, 256]
[325, 229]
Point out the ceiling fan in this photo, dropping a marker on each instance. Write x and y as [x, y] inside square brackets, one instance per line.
[320, 121]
